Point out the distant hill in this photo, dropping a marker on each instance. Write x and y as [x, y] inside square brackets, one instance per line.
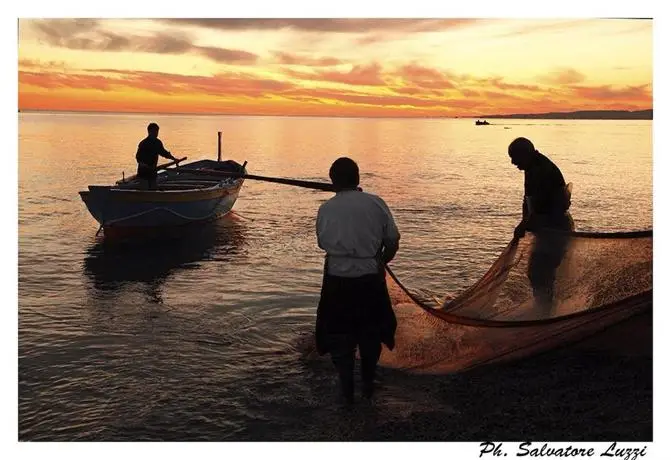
[584, 115]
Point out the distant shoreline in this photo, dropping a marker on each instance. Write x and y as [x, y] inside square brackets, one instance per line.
[577, 115]
[582, 115]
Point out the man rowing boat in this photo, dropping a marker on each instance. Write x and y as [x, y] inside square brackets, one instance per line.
[148, 151]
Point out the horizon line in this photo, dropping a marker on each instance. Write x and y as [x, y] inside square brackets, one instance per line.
[204, 114]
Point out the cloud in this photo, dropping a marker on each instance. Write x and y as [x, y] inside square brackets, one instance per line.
[498, 82]
[411, 90]
[609, 93]
[81, 34]
[57, 29]
[566, 76]
[89, 35]
[419, 79]
[54, 80]
[161, 43]
[41, 65]
[325, 25]
[368, 31]
[295, 59]
[227, 56]
[543, 26]
[366, 75]
[425, 77]
[259, 94]
[362, 98]
[227, 84]
[497, 95]
[469, 93]
[418, 76]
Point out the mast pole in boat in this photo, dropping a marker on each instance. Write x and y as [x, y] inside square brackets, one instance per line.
[219, 146]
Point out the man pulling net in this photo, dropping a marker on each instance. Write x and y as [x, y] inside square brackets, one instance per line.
[547, 199]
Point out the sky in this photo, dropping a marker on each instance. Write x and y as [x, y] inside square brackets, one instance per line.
[446, 67]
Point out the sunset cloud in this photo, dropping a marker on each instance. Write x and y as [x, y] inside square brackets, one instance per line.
[296, 59]
[544, 26]
[57, 30]
[240, 85]
[88, 35]
[326, 25]
[563, 77]
[414, 91]
[368, 75]
[498, 82]
[54, 80]
[424, 77]
[609, 93]
[227, 56]
[230, 84]
[357, 67]
[35, 64]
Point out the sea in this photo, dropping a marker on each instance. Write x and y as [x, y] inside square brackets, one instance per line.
[202, 338]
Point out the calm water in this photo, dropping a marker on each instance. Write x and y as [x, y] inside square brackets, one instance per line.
[200, 338]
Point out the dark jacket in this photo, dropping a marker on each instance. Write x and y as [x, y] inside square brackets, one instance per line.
[148, 151]
[545, 190]
[354, 306]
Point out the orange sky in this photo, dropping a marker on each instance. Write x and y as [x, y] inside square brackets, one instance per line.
[338, 67]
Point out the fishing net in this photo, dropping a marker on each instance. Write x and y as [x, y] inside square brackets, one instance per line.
[545, 290]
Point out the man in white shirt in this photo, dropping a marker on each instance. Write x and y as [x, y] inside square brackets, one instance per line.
[359, 235]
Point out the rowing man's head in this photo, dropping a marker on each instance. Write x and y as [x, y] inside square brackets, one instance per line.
[152, 129]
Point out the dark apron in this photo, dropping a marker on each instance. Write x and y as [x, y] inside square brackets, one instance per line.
[354, 306]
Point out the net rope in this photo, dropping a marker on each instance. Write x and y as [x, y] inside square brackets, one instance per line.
[545, 290]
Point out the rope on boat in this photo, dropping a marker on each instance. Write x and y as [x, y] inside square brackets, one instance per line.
[142, 213]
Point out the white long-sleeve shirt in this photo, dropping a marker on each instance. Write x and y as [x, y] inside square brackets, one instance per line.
[352, 227]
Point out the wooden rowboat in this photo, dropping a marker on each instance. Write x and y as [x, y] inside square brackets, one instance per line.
[192, 193]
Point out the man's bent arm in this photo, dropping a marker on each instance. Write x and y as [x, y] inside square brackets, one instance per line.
[390, 250]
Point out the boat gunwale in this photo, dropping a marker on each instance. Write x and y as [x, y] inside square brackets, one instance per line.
[214, 186]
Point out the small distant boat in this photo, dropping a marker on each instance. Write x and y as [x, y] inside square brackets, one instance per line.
[195, 192]
[481, 123]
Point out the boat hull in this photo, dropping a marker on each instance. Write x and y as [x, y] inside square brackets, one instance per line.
[122, 211]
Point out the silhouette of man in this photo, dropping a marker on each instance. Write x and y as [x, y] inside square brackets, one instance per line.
[359, 235]
[547, 199]
[148, 151]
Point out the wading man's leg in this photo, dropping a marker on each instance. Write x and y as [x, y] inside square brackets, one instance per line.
[370, 349]
[343, 348]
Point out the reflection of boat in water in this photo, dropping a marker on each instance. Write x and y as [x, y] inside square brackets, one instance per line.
[481, 123]
[196, 192]
[109, 264]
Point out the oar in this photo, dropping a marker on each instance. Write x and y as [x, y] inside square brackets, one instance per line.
[158, 168]
[326, 187]
[166, 165]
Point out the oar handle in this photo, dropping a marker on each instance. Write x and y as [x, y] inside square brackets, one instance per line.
[326, 187]
[158, 168]
[173, 162]
[277, 180]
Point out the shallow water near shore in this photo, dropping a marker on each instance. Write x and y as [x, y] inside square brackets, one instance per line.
[201, 338]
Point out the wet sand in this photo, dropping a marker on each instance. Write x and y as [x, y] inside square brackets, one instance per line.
[564, 395]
